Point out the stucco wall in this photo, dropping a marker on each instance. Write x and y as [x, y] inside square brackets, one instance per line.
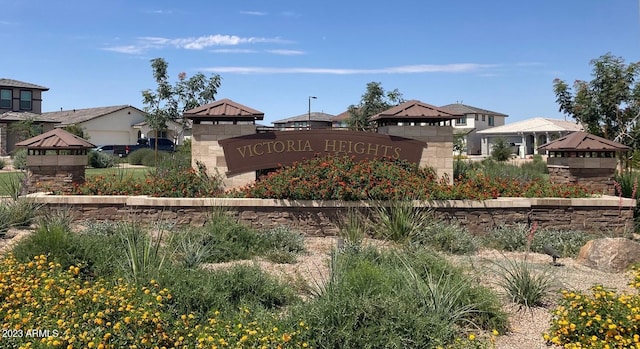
[114, 128]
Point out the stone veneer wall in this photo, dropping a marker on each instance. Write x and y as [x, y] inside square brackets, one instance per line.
[205, 148]
[3, 139]
[439, 150]
[54, 172]
[594, 173]
[318, 218]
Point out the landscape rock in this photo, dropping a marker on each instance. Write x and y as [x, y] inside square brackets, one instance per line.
[609, 254]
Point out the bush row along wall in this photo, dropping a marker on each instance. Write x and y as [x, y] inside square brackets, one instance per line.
[606, 214]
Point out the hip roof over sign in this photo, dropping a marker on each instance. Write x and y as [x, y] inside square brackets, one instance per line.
[583, 141]
[55, 139]
[224, 109]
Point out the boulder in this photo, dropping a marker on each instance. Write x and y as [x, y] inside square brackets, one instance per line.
[612, 255]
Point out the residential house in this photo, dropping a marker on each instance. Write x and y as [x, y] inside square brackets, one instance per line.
[473, 119]
[20, 101]
[527, 135]
[341, 120]
[120, 124]
[314, 120]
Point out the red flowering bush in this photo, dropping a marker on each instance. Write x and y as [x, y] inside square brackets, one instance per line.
[343, 178]
[177, 182]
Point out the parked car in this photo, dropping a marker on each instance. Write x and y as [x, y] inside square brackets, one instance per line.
[107, 149]
[164, 144]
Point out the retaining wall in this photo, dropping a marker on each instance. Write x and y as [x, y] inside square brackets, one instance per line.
[318, 218]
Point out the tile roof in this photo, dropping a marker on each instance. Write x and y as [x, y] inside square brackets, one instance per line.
[315, 116]
[223, 109]
[459, 108]
[76, 116]
[415, 110]
[55, 139]
[21, 84]
[583, 141]
[342, 116]
[24, 115]
[534, 125]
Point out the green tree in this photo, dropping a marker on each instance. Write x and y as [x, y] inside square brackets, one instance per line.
[168, 102]
[25, 128]
[373, 101]
[76, 130]
[501, 151]
[608, 105]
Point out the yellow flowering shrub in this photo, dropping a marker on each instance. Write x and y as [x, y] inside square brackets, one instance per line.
[44, 306]
[602, 318]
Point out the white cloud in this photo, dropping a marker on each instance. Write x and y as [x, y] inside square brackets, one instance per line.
[233, 50]
[253, 13]
[407, 69]
[5, 22]
[287, 52]
[192, 43]
[128, 49]
[161, 12]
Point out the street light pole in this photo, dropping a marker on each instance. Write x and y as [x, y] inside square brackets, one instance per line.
[309, 113]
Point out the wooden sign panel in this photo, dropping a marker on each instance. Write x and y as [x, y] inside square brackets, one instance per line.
[282, 148]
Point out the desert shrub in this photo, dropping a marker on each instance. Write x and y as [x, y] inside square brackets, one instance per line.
[98, 159]
[377, 299]
[138, 156]
[514, 238]
[526, 172]
[507, 237]
[19, 158]
[566, 242]
[149, 159]
[5, 219]
[522, 283]
[598, 318]
[3, 163]
[51, 239]
[463, 169]
[227, 290]
[144, 258]
[282, 244]
[22, 212]
[12, 184]
[449, 237]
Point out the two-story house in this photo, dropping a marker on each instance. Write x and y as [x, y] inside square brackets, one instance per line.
[473, 120]
[20, 101]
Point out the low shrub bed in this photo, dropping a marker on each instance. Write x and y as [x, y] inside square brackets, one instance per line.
[343, 178]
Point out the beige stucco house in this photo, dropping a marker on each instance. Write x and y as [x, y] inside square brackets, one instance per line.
[527, 135]
[120, 124]
[472, 121]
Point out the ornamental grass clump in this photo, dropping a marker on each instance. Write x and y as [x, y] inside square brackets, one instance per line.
[600, 318]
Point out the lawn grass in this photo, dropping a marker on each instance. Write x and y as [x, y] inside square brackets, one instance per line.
[7, 177]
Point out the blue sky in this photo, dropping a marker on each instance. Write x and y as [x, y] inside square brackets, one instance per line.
[500, 55]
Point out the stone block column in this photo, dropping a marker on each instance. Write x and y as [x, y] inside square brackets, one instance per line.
[206, 149]
[439, 150]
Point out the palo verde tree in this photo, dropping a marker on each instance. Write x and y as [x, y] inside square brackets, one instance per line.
[373, 101]
[168, 102]
[609, 104]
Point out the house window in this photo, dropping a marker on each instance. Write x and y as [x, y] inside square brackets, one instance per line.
[461, 121]
[491, 121]
[5, 99]
[484, 118]
[25, 100]
[476, 117]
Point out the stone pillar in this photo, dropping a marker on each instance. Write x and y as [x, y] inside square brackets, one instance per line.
[205, 149]
[3, 139]
[439, 150]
